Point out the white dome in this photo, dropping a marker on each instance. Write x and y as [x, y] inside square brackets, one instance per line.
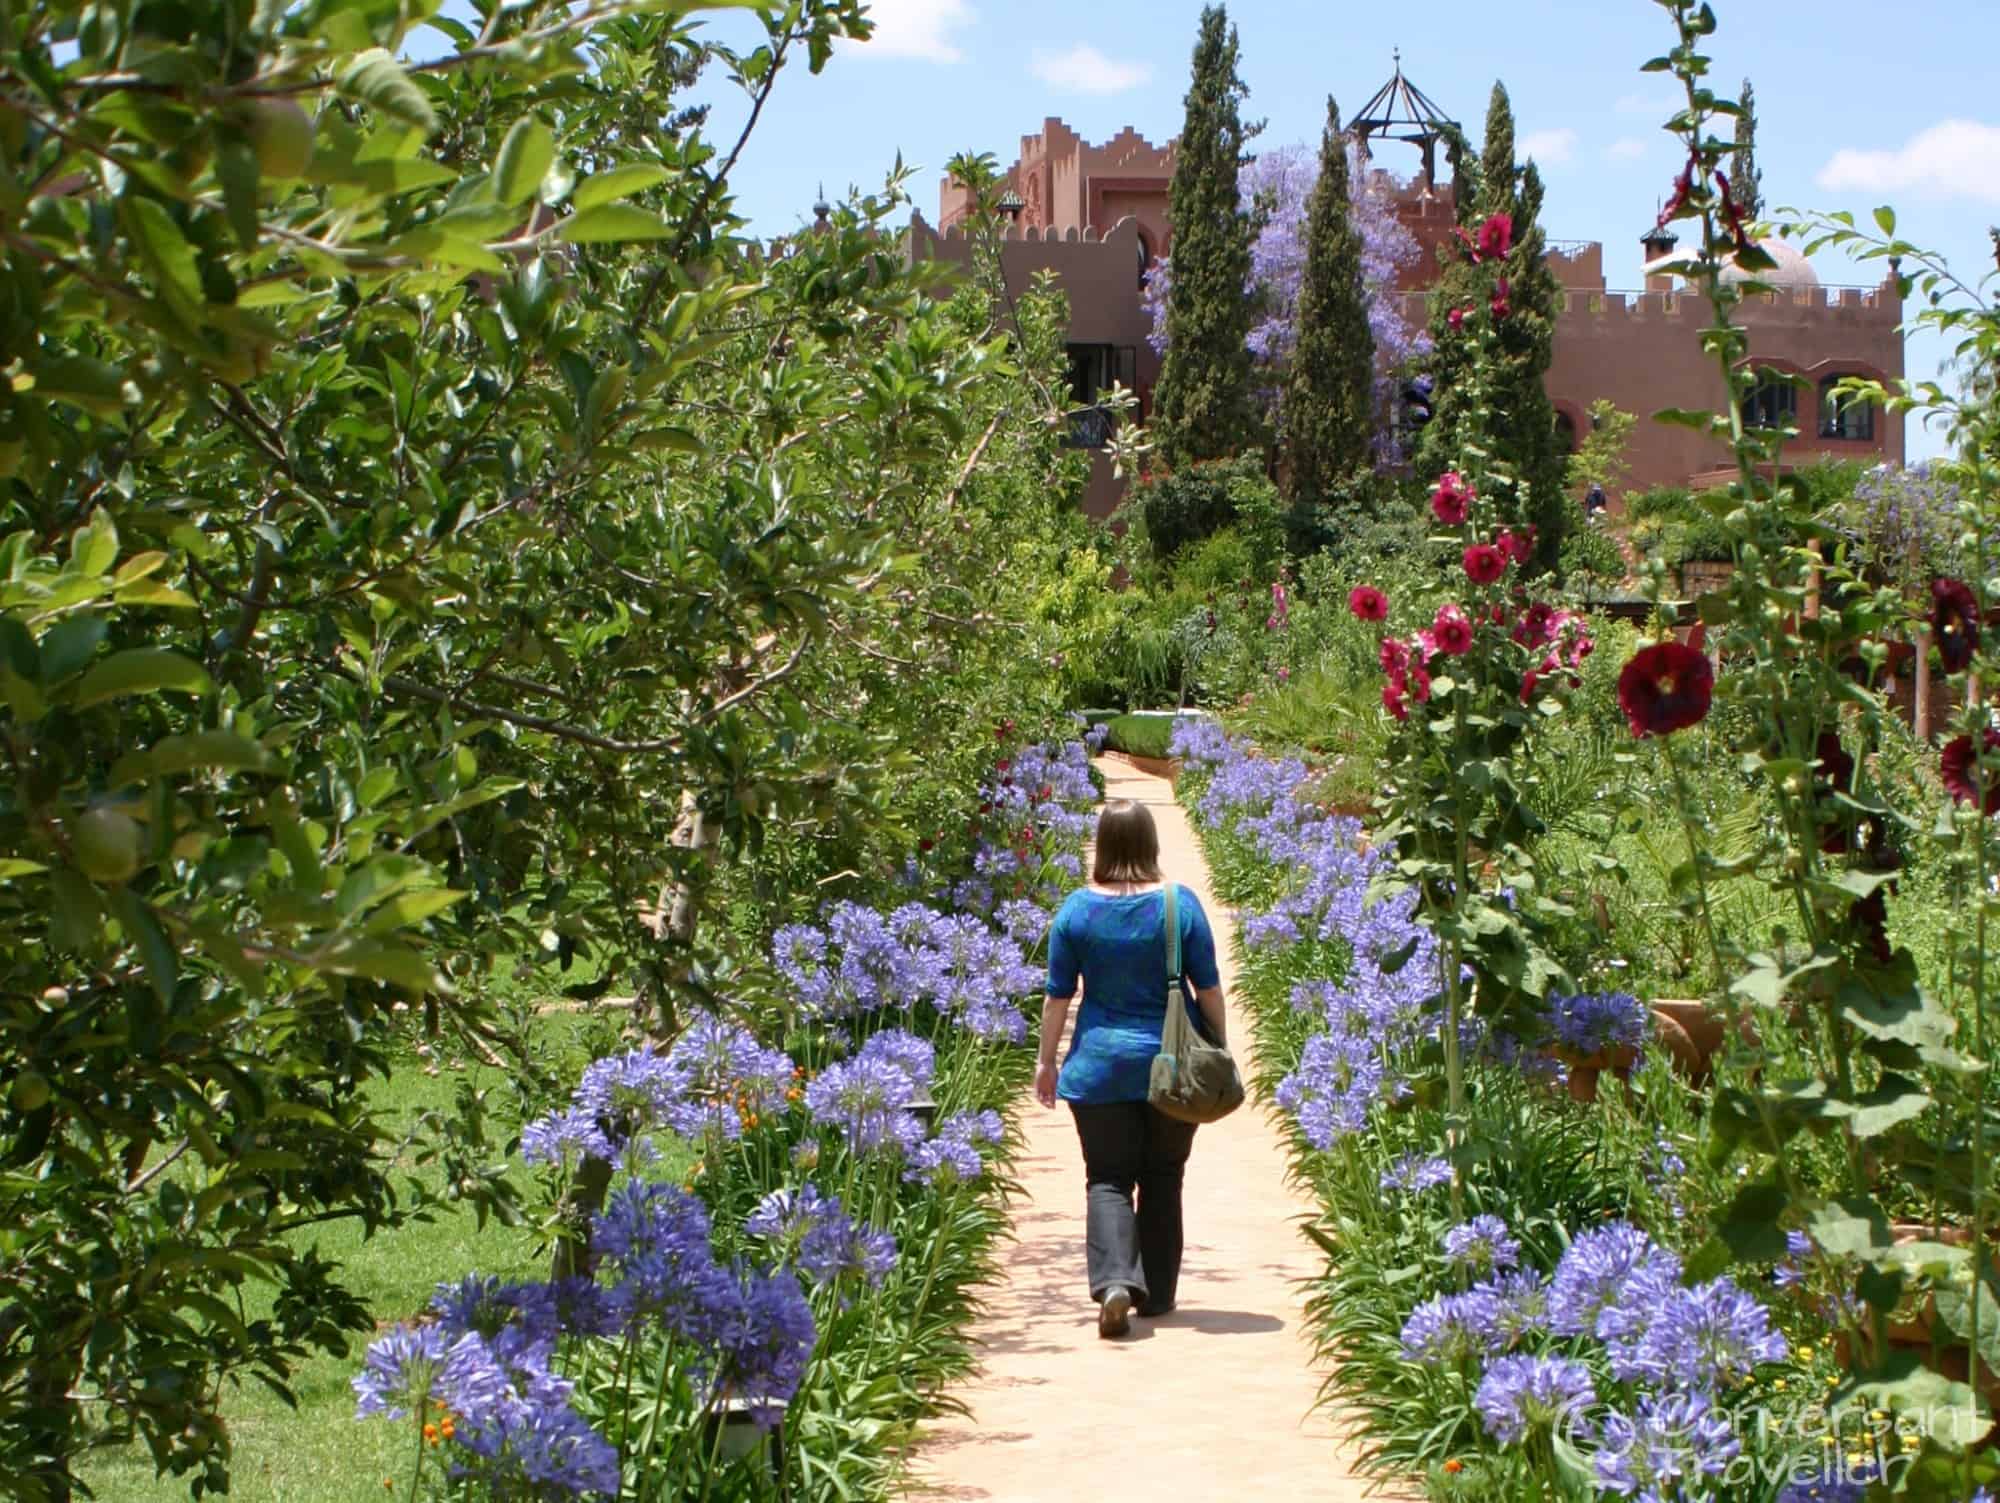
[1792, 270]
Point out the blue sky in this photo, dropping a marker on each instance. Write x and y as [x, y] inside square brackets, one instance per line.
[1858, 103]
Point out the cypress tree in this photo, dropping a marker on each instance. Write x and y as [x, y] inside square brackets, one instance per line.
[1203, 407]
[1329, 395]
[1746, 183]
[1523, 441]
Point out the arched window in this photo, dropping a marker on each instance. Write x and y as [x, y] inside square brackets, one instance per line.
[1565, 432]
[1845, 417]
[1772, 403]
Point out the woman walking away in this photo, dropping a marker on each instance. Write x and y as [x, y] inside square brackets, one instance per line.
[1112, 934]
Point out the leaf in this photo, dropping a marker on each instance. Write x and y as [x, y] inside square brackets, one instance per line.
[156, 953]
[12, 867]
[1894, 1100]
[392, 963]
[1885, 219]
[619, 182]
[1685, 417]
[376, 79]
[1748, 1232]
[612, 222]
[141, 670]
[524, 160]
[195, 751]
[165, 250]
[1904, 1385]
[1849, 1228]
[675, 440]
[410, 908]
[236, 166]
[68, 645]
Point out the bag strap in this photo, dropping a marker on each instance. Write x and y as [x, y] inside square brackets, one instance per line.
[1173, 933]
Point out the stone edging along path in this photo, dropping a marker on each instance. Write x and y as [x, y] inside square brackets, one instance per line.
[1216, 1401]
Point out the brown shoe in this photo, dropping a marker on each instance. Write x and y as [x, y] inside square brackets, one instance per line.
[1114, 1316]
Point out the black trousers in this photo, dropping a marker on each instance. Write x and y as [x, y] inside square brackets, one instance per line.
[1129, 1149]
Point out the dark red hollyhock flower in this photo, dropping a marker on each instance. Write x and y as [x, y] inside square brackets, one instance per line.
[1530, 681]
[1515, 546]
[926, 844]
[1003, 764]
[1732, 212]
[1871, 914]
[1496, 236]
[1367, 603]
[1392, 701]
[1484, 563]
[1420, 683]
[1537, 626]
[1500, 306]
[1455, 319]
[1453, 631]
[1395, 658]
[1954, 623]
[1665, 688]
[1962, 777]
[1683, 190]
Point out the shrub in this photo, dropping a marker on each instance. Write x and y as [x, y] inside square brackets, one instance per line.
[1185, 506]
[1140, 735]
[1590, 553]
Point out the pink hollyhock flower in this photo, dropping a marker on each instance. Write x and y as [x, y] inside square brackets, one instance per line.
[1683, 190]
[1665, 688]
[1395, 658]
[1496, 236]
[1537, 625]
[1500, 305]
[1455, 320]
[1452, 631]
[1962, 774]
[1450, 498]
[1392, 701]
[1733, 212]
[1284, 675]
[1516, 547]
[1484, 563]
[1530, 681]
[1367, 603]
[1420, 683]
[1427, 647]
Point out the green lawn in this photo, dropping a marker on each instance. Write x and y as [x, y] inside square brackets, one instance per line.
[319, 1453]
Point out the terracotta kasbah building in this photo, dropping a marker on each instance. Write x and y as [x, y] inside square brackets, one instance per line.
[1096, 216]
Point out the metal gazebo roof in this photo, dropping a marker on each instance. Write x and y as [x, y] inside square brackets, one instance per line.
[1400, 111]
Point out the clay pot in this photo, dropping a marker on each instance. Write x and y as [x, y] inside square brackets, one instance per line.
[1692, 1033]
[1584, 1069]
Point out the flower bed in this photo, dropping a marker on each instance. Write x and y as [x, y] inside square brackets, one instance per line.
[1551, 1322]
[766, 1237]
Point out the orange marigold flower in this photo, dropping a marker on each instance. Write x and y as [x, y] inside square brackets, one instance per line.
[1454, 1466]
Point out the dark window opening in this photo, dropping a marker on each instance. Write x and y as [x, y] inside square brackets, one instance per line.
[1772, 403]
[1565, 431]
[1095, 368]
[1841, 416]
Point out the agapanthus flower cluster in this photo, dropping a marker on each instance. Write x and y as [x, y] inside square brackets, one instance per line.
[492, 1360]
[1594, 1022]
[811, 1229]
[951, 1155]
[1482, 1244]
[1415, 1172]
[1520, 1395]
[715, 1079]
[869, 1096]
[1658, 1453]
[864, 961]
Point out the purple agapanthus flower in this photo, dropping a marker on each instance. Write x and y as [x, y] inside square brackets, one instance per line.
[1596, 1272]
[1673, 1439]
[1522, 1301]
[1597, 1021]
[1520, 1395]
[420, 1369]
[1710, 1337]
[1450, 1328]
[1482, 1244]
[1414, 1172]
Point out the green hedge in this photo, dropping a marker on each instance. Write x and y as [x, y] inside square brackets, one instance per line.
[1140, 735]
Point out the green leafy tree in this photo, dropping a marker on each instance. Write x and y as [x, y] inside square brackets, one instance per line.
[430, 537]
[1746, 183]
[1529, 457]
[1600, 454]
[1204, 407]
[1330, 391]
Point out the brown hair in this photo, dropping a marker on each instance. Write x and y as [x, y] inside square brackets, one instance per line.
[1128, 844]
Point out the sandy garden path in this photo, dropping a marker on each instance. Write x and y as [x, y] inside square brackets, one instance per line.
[1213, 1402]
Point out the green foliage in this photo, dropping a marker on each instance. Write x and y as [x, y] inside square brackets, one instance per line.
[1520, 419]
[1140, 735]
[1745, 180]
[1600, 454]
[1179, 509]
[1330, 392]
[431, 535]
[1203, 406]
[1590, 559]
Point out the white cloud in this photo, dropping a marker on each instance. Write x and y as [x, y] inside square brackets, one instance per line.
[920, 29]
[1549, 147]
[1082, 69]
[1626, 149]
[1952, 159]
[1661, 103]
